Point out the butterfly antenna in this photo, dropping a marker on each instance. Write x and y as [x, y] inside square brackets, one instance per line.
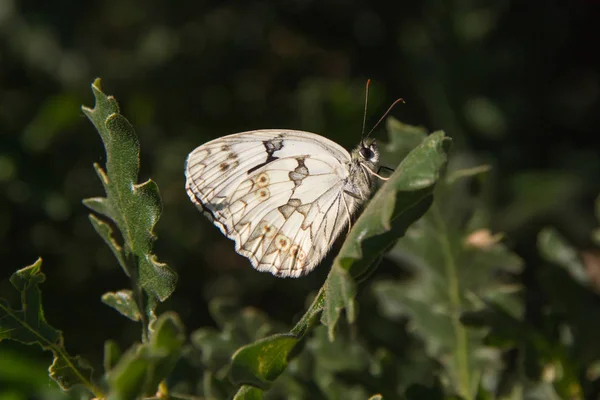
[362, 134]
[384, 115]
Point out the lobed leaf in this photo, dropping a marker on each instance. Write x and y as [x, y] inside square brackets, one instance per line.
[561, 363]
[402, 200]
[453, 269]
[29, 326]
[134, 208]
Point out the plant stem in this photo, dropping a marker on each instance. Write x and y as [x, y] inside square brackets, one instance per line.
[302, 326]
[461, 352]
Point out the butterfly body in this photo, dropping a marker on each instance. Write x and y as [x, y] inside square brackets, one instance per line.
[283, 196]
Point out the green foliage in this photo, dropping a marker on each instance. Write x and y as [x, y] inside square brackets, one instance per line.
[29, 326]
[257, 363]
[134, 209]
[560, 355]
[264, 359]
[452, 322]
[454, 268]
[403, 199]
[141, 369]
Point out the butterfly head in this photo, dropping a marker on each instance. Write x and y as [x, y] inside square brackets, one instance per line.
[367, 151]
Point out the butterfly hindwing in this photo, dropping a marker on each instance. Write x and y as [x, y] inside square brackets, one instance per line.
[277, 194]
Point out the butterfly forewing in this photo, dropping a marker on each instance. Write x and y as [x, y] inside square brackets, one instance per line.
[277, 193]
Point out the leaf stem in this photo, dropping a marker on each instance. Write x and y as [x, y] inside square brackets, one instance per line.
[462, 345]
[302, 326]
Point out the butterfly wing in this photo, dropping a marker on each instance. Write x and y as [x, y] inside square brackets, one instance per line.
[277, 193]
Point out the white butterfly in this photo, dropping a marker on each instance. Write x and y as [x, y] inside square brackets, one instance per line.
[282, 195]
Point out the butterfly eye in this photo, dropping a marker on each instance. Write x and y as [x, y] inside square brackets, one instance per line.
[366, 153]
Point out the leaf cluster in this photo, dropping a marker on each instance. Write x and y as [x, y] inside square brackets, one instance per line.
[444, 317]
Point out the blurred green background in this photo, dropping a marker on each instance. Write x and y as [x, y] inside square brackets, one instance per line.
[515, 84]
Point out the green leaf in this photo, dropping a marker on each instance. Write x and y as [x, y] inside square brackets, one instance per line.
[309, 318]
[574, 302]
[451, 270]
[341, 290]
[123, 302]
[68, 371]
[247, 392]
[261, 362]
[344, 354]
[99, 205]
[112, 354]
[403, 139]
[466, 173]
[555, 248]
[507, 331]
[134, 208]
[238, 328]
[402, 200]
[29, 326]
[141, 369]
[560, 361]
[395, 206]
[106, 232]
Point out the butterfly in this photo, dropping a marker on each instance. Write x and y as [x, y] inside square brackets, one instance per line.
[283, 196]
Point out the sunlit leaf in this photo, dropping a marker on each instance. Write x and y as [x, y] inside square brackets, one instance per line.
[247, 392]
[123, 302]
[134, 208]
[403, 199]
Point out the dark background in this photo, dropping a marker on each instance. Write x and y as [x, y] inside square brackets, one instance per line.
[515, 84]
